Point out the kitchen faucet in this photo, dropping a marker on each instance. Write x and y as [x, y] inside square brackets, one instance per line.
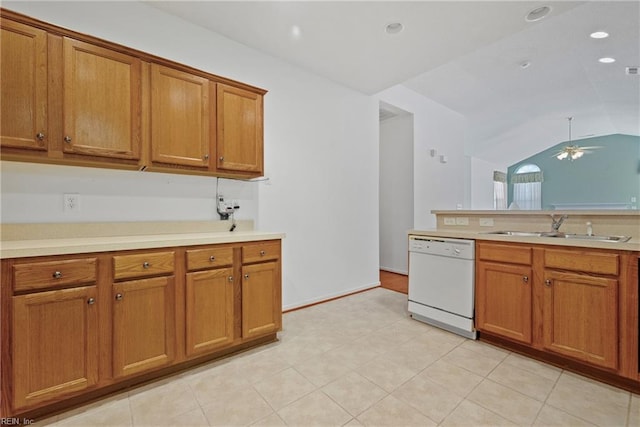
[556, 223]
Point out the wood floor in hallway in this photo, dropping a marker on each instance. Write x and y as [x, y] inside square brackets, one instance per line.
[394, 281]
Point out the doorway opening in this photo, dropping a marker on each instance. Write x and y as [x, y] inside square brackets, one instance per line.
[396, 190]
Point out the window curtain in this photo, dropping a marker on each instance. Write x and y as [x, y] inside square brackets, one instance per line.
[527, 190]
[499, 190]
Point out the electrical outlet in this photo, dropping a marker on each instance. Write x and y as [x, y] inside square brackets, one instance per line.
[462, 221]
[486, 222]
[449, 221]
[71, 202]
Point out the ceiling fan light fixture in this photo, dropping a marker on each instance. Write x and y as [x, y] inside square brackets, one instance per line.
[577, 153]
[562, 156]
[537, 14]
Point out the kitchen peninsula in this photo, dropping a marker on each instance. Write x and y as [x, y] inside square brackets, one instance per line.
[567, 296]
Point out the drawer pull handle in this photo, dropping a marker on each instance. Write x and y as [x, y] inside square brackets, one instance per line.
[525, 279]
[212, 258]
[57, 275]
[91, 301]
[547, 282]
[231, 278]
[118, 297]
[246, 276]
[146, 265]
[67, 139]
[40, 136]
[262, 253]
[221, 158]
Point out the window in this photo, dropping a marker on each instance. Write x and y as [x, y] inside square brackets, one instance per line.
[527, 187]
[499, 190]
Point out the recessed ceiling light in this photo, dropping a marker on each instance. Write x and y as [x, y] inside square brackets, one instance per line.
[599, 35]
[394, 28]
[537, 14]
[296, 32]
[607, 60]
[525, 64]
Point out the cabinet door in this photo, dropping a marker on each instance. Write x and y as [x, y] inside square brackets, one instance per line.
[261, 299]
[580, 317]
[180, 117]
[503, 300]
[102, 101]
[55, 344]
[239, 138]
[143, 325]
[23, 82]
[209, 310]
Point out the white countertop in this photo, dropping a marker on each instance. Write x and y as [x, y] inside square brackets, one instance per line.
[631, 245]
[78, 245]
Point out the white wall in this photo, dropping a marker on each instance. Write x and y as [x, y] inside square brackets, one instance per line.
[396, 191]
[439, 186]
[481, 185]
[321, 153]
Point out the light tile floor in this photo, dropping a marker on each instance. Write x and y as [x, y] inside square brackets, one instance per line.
[361, 360]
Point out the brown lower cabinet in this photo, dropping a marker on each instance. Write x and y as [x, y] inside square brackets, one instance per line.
[55, 344]
[574, 307]
[78, 326]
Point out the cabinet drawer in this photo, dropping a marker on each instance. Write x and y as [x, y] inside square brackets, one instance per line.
[199, 259]
[588, 262]
[261, 251]
[54, 274]
[141, 265]
[504, 253]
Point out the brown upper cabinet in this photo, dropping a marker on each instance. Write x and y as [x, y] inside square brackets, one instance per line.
[180, 117]
[23, 79]
[70, 98]
[102, 101]
[240, 133]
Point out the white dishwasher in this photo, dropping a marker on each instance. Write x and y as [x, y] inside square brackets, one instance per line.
[441, 283]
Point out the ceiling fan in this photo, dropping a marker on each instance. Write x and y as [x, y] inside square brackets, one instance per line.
[573, 152]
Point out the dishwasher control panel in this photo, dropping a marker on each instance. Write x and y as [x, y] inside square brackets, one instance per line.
[456, 248]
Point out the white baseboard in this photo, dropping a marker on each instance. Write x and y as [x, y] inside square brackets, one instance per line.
[329, 297]
[394, 270]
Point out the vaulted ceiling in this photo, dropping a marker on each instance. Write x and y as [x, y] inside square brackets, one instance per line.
[470, 56]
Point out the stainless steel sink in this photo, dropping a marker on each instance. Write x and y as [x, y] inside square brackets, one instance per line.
[597, 238]
[560, 235]
[517, 233]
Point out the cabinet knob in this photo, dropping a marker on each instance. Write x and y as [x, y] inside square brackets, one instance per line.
[547, 282]
[212, 258]
[67, 139]
[146, 265]
[40, 136]
[246, 276]
[231, 278]
[57, 275]
[118, 297]
[206, 157]
[262, 253]
[91, 301]
[525, 279]
[221, 158]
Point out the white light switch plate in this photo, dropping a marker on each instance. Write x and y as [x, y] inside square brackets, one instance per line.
[462, 221]
[486, 222]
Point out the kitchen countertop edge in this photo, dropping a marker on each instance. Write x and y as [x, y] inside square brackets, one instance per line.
[62, 246]
[631, 245]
